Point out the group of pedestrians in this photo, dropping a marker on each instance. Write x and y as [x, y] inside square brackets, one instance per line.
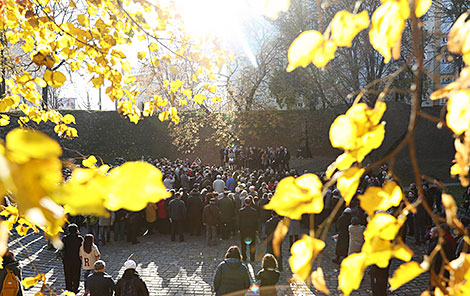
[81, 253]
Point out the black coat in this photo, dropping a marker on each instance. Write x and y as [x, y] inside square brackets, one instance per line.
[268, 279]
[131, 276]
[231, 276]
[177, 210]
[194, 205]
[100, 284]
[342, 226]
[71, 250]
[248, 220]
[264, 215]
[227, 209]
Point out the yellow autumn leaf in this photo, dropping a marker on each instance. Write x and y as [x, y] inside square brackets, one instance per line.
[164, 115]
[381, 199]
[405, 273]
[348, 182]
[212, 88]
[23, 145]
[358, 132]
[351, 272]
[4, 120]
[384, 226]
[141, 55]
[153, 47]
[304, 251]
[68, 119]
[318, 281]
[280, 232]
[90, 162]
[421, 7]
[459, 37]
[83, 20]
[83, 194]
[387, 26]
[28, 282]
[187, 92]
[458, 111]
[54, 79]
[272, 8]
[297, 196]
[310, 47]
[199, 98]
[451, 209]
[345, 26]
[134, 184]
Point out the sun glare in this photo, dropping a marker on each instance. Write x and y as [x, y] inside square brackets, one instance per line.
[223, 19]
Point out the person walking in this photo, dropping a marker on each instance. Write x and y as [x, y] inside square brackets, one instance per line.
[10, 276]
[104, 225]
[248, 228]
[100, 283]
[195, 211]
[151, 216]
[342, 244]
[356, 236]
[130, 283]
[231, 274]
[218, 185]
[89, 254]
[177, 213]
[271, 225]
[71, 258]
[211, 218]
[268, 276]
[227, 209]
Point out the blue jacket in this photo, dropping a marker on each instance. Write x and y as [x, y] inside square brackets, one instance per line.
[231, 276]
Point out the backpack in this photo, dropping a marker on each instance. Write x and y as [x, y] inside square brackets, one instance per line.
[129, 288]
[11, 285]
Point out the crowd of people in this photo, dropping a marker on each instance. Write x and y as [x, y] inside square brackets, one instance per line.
[228, 201]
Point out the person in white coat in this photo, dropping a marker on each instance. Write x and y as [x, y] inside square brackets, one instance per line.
[356, 236]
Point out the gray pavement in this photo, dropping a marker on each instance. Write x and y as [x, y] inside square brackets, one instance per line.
[186, 268]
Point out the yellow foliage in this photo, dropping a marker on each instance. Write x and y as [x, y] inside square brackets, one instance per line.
[381, 199]
[54, 79]
[388, 24]
[28, 282]
[348, 182]
[345, 26]
[421, 7]
[405, 273]
[318, 281]
[294, 197]
[90, 162]
[458, 111]
[459, 38]
[304, 251]
[310, 47]
[358, 132]
[351, 272]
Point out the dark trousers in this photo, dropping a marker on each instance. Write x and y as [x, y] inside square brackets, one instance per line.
[163, 225]
[177, 227]
[195, 225]
[72, 276]
[225, 229]
[248, 239]
[131, 232]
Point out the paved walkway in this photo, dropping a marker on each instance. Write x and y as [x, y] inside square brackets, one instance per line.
[173, 268]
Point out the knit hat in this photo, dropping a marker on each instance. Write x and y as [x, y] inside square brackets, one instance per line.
[130, 264]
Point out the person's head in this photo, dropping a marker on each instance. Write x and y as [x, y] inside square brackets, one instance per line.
[72, 228]
[347, 210]
[88, 242]
[178, 195]
[233, 252]
[247, 201]
[212, 201]
[269, 261]
[99, 266]
[244, 193]
[355, 221]
[434, 232]
[130, 264]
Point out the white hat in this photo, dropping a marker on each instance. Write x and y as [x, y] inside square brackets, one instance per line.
[130, 264]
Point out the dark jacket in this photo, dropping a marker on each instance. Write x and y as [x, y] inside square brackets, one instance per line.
[100, 284]
[71, 250]
[131, 278]
[194, 205]
[211, 215]
[248, 221]
[177, 210]
[227, 209]
[268, 279]
[264, 215]
[342, 226]
[11, 264]
[231, 276]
